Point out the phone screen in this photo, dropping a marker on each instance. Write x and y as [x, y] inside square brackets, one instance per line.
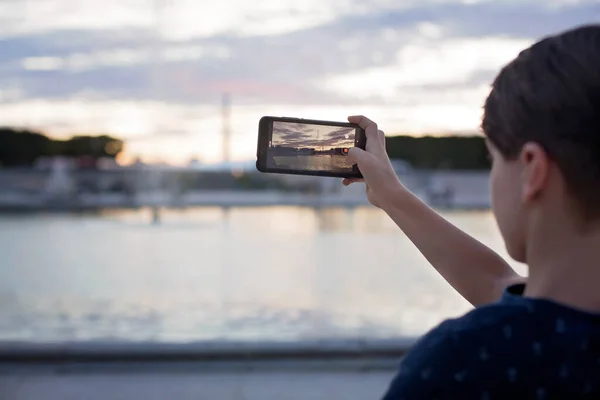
[302, 146]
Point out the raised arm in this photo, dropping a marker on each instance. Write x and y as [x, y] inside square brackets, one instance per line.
[474, 270]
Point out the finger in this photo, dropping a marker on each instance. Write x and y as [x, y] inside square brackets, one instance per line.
[369, 126]
[361, 121]
[357, 155]
[371, 132]
[349, 181]
[381, 136]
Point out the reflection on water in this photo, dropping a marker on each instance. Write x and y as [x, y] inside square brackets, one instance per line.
[249, 273]
[314, 162]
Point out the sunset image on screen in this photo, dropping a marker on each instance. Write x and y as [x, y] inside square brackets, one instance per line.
[310, 147]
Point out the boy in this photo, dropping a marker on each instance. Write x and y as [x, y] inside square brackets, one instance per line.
[528, 338]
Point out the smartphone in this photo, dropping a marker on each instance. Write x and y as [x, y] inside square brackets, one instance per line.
[307, 147]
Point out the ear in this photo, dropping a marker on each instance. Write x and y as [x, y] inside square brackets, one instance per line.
[535, 167]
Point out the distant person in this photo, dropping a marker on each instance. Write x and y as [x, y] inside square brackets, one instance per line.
[528, 338]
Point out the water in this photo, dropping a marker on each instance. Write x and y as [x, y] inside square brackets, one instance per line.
[314, 162]
[204, 274]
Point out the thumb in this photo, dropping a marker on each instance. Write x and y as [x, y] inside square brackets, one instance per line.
[357, 155]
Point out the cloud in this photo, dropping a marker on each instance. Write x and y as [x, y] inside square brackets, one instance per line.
[340, 133]
[419, 45]
[180, 19]
[187, 19]
[42, 16]
[418, 65]
[283, 135]
[428, 65]
[306, 135]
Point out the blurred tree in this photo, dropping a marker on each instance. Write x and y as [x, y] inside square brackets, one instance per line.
[443, 152]
[92, 146]
[23, 147]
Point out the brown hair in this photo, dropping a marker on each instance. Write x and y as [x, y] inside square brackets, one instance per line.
[550, 94]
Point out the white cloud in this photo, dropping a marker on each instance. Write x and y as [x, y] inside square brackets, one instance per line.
[174, 19]
[184, 19]
[430, 30]
[36, 16]
[431, 63]
[43, 63]
[10, 94]
[188, 18]
[124, 57]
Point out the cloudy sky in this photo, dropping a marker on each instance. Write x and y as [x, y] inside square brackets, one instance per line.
[154, 72]
[311, 136]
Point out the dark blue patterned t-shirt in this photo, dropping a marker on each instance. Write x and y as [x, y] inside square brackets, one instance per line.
[517, 348]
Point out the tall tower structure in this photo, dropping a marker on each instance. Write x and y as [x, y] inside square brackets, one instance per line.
[226, 115]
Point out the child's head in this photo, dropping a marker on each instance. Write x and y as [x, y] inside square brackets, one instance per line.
[542, 122]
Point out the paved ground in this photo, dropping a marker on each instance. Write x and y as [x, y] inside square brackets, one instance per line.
[221, 371]
[319, 385]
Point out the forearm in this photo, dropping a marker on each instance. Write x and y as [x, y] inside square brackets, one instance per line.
[474, 270]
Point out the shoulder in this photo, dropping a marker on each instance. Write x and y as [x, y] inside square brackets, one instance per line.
[451, 361]
[455, 359]
[517, 345]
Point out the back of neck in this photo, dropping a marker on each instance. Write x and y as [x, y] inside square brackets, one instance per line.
[568, 273]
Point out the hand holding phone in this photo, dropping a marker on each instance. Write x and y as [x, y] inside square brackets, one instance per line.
[382, 183]
[308, 147]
